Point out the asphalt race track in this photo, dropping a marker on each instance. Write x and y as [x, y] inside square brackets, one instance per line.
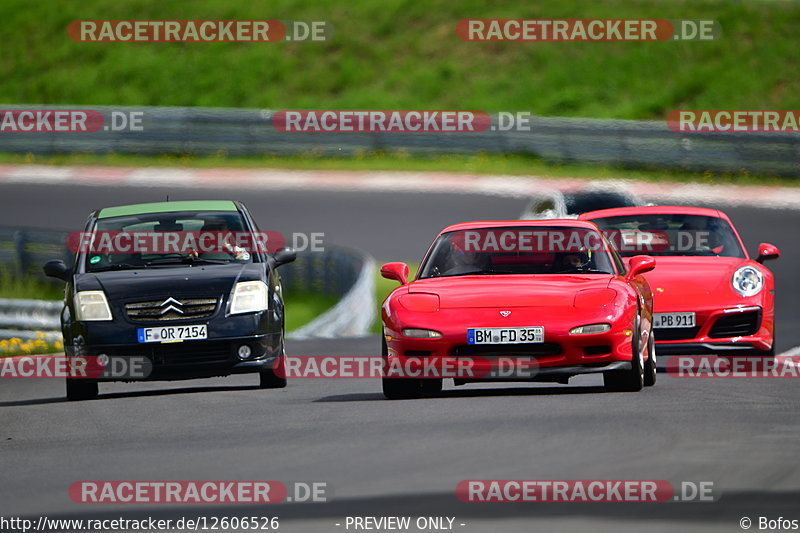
[405, 458]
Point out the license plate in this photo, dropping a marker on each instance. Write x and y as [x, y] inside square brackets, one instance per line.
[505, 335]
[173, 333]
[673, 320]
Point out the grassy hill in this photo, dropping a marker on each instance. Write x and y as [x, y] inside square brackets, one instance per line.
[402, 54]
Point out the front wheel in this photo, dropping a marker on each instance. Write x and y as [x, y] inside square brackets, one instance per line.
[399, 388]
[269, 380]
[650, 371]
[432, 387]
[402, 388]
[275, 377]
[631, 380]
[78, 390]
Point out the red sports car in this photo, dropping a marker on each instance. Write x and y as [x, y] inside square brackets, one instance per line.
[710, 297]
[551, 296]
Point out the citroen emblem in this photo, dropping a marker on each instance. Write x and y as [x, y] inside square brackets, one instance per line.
[171, 304]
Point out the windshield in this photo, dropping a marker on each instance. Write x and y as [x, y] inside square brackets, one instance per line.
[578, 203]
[671, 235]
[182, 238]
[516, 250]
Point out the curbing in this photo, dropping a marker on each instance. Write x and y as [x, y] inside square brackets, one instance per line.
[663, 192]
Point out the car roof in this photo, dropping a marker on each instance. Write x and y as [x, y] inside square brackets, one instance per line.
[653, 209]
[167, 207]
[553, 222]
[598, 192]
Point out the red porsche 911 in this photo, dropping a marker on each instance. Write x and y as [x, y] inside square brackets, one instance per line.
[709, 296]
[552, 297]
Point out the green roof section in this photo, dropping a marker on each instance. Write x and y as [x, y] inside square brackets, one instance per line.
[167, 207]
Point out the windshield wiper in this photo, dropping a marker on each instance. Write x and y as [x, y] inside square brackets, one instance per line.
[185, 261]
[118, 266]
[583, 271]
[209, 261]
[699, 253]
[480, 272]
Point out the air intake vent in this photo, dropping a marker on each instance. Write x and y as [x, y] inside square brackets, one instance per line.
[171, 309]
[736, 325]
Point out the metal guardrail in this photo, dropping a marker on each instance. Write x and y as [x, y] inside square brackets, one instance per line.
[344, 273]
[24, 319]
[35, 315]
[627, 143]
[353, 314]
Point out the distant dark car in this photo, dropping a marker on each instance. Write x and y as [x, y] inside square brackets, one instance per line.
[549, 204]
[187, 315]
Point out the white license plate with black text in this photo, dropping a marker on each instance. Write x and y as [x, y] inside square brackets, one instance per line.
[505, 335]
[674, 320]
[173, 333]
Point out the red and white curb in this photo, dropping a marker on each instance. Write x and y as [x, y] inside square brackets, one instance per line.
[791, 354]
[774, 197]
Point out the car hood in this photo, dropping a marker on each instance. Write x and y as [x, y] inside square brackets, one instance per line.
[161, 281]
[676, 278]
[508, 291]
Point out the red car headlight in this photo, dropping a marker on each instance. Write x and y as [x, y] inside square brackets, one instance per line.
[416, 333]
[590, 329]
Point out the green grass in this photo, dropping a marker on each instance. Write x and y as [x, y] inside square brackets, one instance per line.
[303, 307]
[29, 288]
[404, 54]
[508, 164]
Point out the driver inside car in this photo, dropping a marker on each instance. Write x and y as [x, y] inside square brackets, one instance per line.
[574, 261]
[220, 225]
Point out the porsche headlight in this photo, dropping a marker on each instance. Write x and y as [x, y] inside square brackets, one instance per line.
[249, 297]
[91, 306]
[748, 281]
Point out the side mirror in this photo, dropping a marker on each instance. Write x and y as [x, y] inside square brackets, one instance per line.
[57, 269]
[767, 251]
[639, 265]
[284, 256]
[396, 272]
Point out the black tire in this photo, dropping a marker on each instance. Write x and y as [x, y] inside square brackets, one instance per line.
[78, 390]
[631, 380]
[431, 387]
[400, 388]
[650, 370]
[268, 379]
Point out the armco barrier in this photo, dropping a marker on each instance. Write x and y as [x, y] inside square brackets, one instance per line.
[627, 143]
[24, 319]
[353, 315]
